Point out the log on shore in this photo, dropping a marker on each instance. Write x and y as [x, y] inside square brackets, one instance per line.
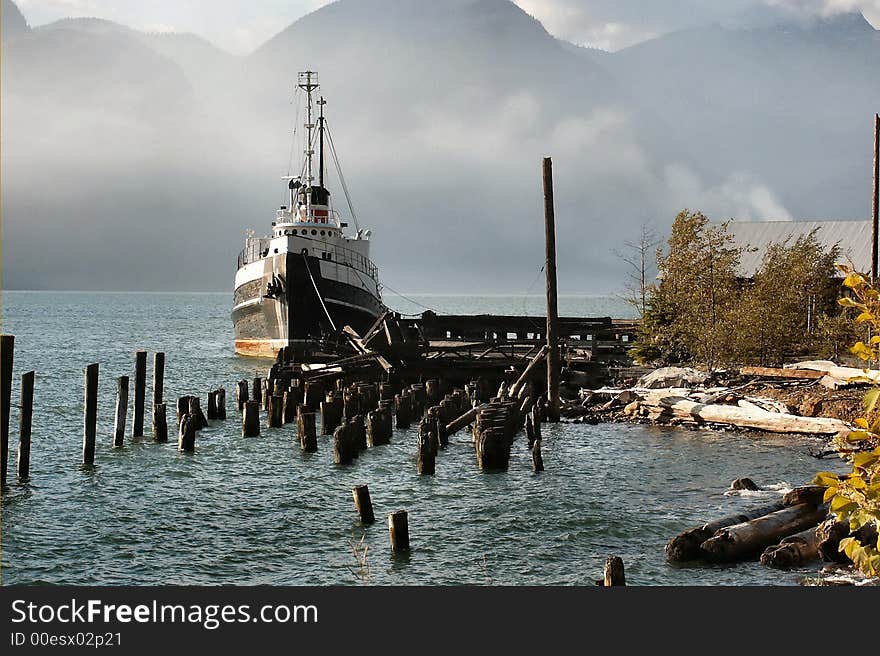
[794, 550]
[791, 374]
[662, 406]
[686, 546]
[748, 538]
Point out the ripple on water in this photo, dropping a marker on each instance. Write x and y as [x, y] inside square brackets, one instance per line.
[259, 511]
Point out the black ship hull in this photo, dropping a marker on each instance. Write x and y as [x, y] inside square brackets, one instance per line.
[285, 301]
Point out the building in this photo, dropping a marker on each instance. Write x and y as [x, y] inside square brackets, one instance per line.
[853, 237]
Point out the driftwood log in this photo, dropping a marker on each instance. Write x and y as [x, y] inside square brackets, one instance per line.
[686, 546]
[748, 538]
[794, 550]
[664, 406]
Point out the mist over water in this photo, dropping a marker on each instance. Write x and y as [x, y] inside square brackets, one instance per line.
[151, 154]
[259, 511]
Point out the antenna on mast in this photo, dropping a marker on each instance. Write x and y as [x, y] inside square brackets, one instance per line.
[321, 104]
[308, 82]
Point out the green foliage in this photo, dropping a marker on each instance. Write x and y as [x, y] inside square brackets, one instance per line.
[855, 497]
[701, 312]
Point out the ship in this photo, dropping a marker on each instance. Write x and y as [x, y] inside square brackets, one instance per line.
[299, 288]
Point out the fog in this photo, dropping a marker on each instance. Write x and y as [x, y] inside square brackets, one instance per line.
[136, 161]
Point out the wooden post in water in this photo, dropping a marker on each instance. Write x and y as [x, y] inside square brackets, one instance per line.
[308, 437]
[121, 410]
[250, 419]
[537, 458]
[186, 437]
[875, 198]
[160, 423]
[24, 425]
[363, 504]
[398, 531]
[212, 405]
[158, 378]
[274, 411]
[7, 350]
[257, 394]
[241, 394]
[90, 414]
[614, 573]
[552, 313]
[221, 404]
[140, 392]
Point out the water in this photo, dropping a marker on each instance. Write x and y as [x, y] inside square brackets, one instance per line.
[258, 511]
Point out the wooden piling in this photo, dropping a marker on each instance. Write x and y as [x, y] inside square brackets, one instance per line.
[402, 410]
[257, 394]
[331, 414]
[182, 408]
[186, 437]
[552, 311]
[221, 404]
[289, 405]
[265, 393]
[7, 351]
[195, 409]
[426, 448]
[274, 411]
[358, 434]
[614, 572]
[158, 378]
[398, 531]
[363, 504]
[24, 425]
[377, 433]
[537, 458]
[308, 438]
[250, 419]
[140, 393]
[160, 423]
[212, 405]
[121, 410]
[241, 394]
[90, 414]
[343, 453]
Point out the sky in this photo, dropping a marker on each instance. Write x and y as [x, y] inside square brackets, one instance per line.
[240, 26]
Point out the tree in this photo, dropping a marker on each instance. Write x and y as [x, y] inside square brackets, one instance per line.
[697, 288]
[640, 257]
[855, 497]
[780, 311]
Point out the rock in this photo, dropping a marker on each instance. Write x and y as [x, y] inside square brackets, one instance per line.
[667, 377]
[744, 484]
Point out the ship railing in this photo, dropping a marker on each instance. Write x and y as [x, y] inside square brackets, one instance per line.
[355, 260]
[255, 249]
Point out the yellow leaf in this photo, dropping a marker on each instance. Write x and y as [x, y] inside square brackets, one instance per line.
[825, 479]
[858, 436]
[829, 494]
[861, 422]
[864, 316]
[853, 280]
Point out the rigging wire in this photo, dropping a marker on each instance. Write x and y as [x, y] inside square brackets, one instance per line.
[295, 102]
[411, 300]
[341, 177]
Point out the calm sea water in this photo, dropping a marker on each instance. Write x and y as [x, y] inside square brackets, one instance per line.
[258, 511]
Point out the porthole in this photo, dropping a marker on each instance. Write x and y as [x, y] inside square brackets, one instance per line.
[323, 233]
[314, 232]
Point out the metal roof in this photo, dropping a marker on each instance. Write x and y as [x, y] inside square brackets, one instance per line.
[852, 236]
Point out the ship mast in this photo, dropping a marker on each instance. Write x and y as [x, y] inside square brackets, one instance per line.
[321, 104]
[308, 82]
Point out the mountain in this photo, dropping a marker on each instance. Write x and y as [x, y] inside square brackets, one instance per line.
[788, 103]
[152, 153]
[13, 22]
